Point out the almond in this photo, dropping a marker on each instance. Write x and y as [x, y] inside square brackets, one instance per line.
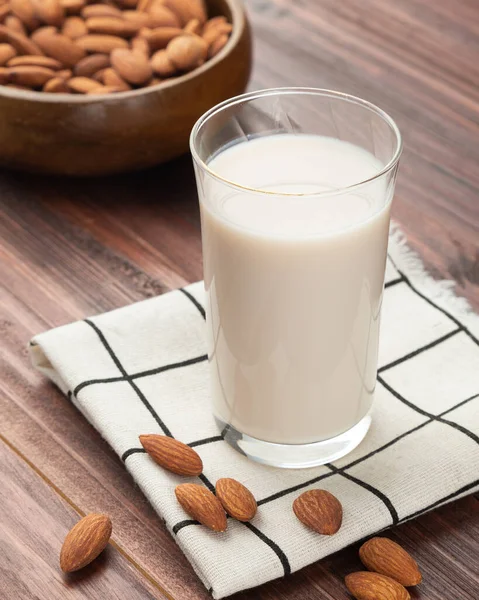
[319, 510]
[213, 33]
[236, 499]
[103, 89]
[30, 76]
[60, 47]
[169, 453]
[162, 65]
[188, 9]
[56, 85]
[43, 31]
[73, 6]
[50, 12]
[162, 16]
[159, 37]
[4, 10]
[89, 65]
[132, 65]
[7, 52]
[218, 45]
[201, 505]
[20, 42]
[84, 542]
[111, 26]
[98, 76]
[384, 556]
[25, 11]
[141, 45]
[372, 586]
[82, 85]
[139, 19]
[64, 73]
[74, 27]
[14, 23]
[111, 79]
[214, 22]
[153, 81]
[193, 26]
[100, 10]
[101, 43]
[143, 5]
[35, 61]
[187, 51]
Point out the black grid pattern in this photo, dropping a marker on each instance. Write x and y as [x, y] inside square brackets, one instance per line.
[343, 471]
[131, 380]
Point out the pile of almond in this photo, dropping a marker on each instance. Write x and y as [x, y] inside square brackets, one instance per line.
[390, 568]
[85, 47]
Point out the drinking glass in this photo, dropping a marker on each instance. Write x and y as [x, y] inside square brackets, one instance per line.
[295, 187]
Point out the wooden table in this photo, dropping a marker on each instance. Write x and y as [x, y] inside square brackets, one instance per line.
[75, 248]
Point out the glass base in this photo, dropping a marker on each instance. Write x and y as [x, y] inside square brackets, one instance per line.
[295, 456]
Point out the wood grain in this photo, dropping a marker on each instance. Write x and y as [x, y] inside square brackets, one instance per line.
[34, 521]
[71, 248]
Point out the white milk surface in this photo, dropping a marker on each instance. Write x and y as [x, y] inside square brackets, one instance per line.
[294, 285]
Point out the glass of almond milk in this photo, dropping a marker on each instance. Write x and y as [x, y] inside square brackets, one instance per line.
[295, 189]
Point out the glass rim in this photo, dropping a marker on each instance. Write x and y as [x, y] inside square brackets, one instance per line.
[293, 91]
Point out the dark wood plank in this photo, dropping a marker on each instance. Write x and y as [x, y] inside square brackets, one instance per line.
[34, 521]
[71, 248]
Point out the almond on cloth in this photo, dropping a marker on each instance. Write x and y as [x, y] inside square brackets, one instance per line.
[319, 510]
[202, 505]
[384, 556]
[169, 453]
[85, 541]
[365, 585]
[236, 499]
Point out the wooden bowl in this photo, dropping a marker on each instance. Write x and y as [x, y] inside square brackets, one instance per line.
[82, 135]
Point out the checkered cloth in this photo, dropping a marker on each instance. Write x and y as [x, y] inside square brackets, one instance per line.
[143, 369]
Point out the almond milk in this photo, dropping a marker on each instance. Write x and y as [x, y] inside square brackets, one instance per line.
[294, 284]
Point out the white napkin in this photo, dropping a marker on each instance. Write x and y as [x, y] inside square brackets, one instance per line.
[143, 369]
